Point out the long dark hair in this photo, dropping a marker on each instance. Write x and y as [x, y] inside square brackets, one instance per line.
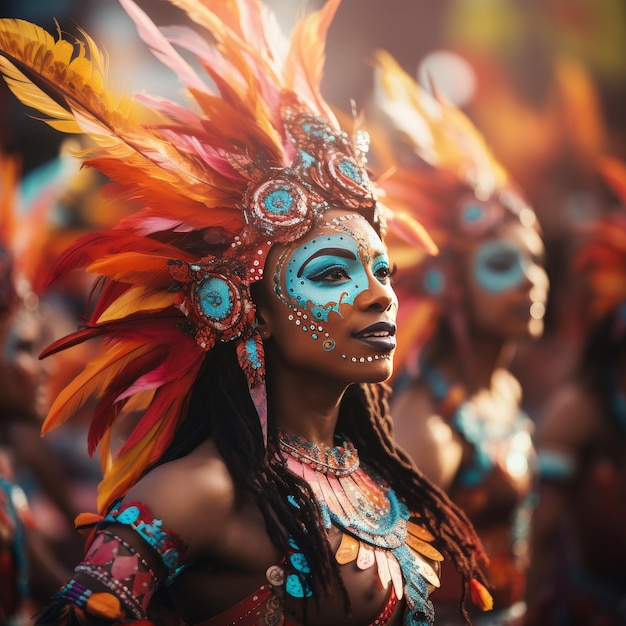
[221, 409]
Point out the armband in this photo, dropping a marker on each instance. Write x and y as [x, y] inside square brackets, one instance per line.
[168, 546]
[120, 568]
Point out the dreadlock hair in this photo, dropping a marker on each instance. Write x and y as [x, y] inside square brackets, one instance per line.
[603, 361]
[221, 409]
[365, 418]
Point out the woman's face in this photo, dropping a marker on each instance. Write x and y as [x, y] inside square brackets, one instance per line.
[507, 284]
[327, 306]
[23, 377]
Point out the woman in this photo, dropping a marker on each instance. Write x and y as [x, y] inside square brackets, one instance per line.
[28, 566]
[456, 405]
[240, 307]
[579, 526]
[19, 380]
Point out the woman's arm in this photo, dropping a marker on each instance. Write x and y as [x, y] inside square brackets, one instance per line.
[430, 441]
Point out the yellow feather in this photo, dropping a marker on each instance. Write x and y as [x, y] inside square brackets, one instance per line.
[139, 401]
[33, 97]
[63, 83]
[138, 299]
[124, 471]
[106, 458]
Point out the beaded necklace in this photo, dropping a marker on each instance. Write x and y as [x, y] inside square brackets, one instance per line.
[339, 460]
[377, 528]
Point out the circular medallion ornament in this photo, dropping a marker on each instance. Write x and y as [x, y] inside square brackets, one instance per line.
[349, 176]
[308, 132]
[280, 208]
[215, 298]
[219, 302]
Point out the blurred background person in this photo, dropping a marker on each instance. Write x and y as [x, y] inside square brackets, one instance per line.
[29, 570]
[579, 527]
[62, 202]
[549, 83]
[456, 405]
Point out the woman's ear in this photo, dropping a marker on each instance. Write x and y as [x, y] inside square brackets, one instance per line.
[262, 324]
[261, 314]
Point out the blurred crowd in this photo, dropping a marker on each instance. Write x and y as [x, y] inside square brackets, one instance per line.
[544, 83]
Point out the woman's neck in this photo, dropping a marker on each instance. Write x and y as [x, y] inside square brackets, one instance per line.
[306, 406]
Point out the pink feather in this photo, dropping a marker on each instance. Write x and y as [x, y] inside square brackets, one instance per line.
[160, 47]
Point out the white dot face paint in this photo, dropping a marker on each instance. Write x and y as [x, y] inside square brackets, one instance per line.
[327, 272]
[335, 290]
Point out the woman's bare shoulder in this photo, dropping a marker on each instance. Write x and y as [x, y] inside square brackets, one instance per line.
[569, 417]
[194, 496]
[425, 434]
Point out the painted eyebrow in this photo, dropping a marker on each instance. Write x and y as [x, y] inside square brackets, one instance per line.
[341, 252]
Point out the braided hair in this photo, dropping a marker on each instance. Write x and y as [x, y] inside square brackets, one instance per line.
[221, 409]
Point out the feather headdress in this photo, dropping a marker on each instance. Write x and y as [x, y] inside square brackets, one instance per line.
[255, 160]
[440, 171]
[601, 259]
[19, 231]
[9, 176]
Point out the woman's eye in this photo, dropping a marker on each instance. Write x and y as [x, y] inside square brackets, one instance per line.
[383, 273]
[24, 346]
[330, 275]
[501, 263]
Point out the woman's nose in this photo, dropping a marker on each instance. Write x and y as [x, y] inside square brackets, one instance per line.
[379, 296]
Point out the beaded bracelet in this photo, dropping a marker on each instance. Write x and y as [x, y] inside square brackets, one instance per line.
[75, 592]
[119, 590]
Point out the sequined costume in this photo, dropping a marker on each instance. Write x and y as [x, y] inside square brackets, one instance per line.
[493, 486]
[386, 538]
[15, 520]
[256, 171]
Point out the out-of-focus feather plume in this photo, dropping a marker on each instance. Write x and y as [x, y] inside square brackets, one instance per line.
[439, 169]
[189, 167]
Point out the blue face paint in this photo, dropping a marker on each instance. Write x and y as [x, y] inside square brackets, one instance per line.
[328, 271]
[500, 265]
